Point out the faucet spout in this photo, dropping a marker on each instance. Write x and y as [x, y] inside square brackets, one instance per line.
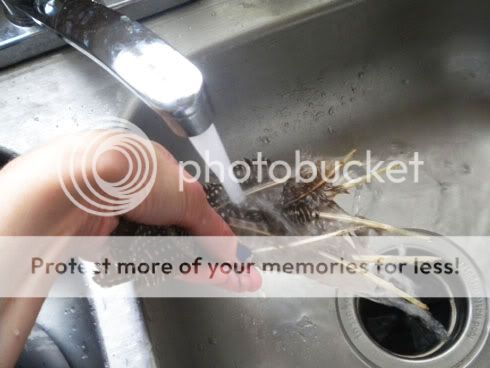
[159, 75]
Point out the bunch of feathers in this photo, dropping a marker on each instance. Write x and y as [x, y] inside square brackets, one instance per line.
[292, 208]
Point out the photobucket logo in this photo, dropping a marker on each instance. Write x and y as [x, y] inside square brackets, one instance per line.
[81, 181]
[332, 172]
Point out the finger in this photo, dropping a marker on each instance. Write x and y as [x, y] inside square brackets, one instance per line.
[175, 201]
[253, 280]
[205, 276]
[238, 282]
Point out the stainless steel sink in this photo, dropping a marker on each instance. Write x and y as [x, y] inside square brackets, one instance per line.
[390, 76]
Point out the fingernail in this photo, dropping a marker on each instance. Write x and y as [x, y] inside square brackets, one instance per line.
[243, 253]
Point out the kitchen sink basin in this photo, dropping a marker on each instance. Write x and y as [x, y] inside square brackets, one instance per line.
[391, 76]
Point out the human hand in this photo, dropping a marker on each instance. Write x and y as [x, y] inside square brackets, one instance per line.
[35, 204]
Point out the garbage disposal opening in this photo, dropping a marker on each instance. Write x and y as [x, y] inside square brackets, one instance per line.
[407, 336]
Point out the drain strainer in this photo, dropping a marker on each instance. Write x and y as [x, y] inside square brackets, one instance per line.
[385, 336]
[410, 337]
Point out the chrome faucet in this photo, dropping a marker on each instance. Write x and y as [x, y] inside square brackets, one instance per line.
[160, 76]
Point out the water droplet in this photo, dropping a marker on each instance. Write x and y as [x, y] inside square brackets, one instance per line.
[445, 186]
[398, 148]
[212, 340]
[406, 81]
[305, 322]
[360, 75]
[265, 139]
[16, 332]
[466, 168]
[331, 111]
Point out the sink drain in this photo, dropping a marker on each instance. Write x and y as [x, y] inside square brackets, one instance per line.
[385, 336]
[407, 336]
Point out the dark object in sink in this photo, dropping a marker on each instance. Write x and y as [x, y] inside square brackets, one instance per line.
[6, 156]
[41, 351]
[294, 208]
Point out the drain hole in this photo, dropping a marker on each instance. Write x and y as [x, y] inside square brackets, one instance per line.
[407, 336]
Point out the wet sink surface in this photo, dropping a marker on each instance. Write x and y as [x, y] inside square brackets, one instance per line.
[390, 76]
[393, 77]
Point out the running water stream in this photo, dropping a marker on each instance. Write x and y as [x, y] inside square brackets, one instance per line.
[210, 147]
